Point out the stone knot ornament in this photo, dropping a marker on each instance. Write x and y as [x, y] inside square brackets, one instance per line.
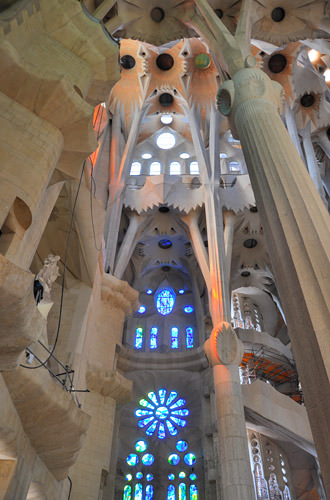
[223, 347]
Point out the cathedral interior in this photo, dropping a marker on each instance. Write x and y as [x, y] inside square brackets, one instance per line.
[165, 250]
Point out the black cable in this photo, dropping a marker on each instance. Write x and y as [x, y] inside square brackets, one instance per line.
[91, 207]
[70, 481]
[63, 277]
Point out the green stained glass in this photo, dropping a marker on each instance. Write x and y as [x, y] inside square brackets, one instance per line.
[182, 475]
[128, 477]
[132, 459]
[138, 493]
[202, 61]
[173, 459]
[127, 492]
[190, 458]
[140, 445]
[193, 492]
[182, 492]
[146, 404]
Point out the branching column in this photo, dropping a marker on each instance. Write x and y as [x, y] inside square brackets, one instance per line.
[297, 228]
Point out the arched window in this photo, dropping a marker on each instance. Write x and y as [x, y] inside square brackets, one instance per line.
[153, 344]
[175, 168]
[175, 337]
[182, 492]
[138, 492]
[193, 493]
[234, 166]
[189, 337]
[149, 492]
[135, 168]
[127, 492]
[155, 168]
[171, 492]
[138, 338]
[165, 301]
[194, 168]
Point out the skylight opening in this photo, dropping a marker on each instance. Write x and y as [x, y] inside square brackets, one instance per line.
[135, 168]
[155, 168]
[166, 140]
[175, 168]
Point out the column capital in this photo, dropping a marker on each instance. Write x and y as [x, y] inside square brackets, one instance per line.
[223, 346]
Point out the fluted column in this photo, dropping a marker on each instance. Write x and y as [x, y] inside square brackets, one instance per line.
[297, 229]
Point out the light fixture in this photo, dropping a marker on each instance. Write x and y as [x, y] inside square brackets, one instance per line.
[166, 119]
[313, 55]
[166, 140]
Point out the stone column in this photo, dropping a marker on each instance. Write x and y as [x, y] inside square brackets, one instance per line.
[225, 353]
[297, 229]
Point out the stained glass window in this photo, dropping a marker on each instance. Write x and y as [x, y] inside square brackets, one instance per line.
[138, 338]
[193, 492]
[192, 477]
[175, 168]
[181, 445]
[155, 168]
[188, 309]
[128, 477]
[174, 337]
[149, 492]
[171, 492]
[142, 309]
[182, 475]
[194, 168]
[141, 445]
[135, 168]
[189, 337]
[153, 344]
[127, 492]
[182, 492]
[138, 492]
[171, 477]
[165, 301]
[173, 459]
[132, 459]
[139, 475]
[149, 477]
[148, 459]
[190, 458]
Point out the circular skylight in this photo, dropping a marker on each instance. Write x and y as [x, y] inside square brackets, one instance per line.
[166, 140]
[184, 156]
[146, 156]
[166, 119]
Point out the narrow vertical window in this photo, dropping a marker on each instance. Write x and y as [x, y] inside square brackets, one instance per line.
[193, 492]
[171, 492]
[153, 344]
[174, 337]
[194, 168]
[135, 168]
[149, 492]
[127, 492]
[182, 492]
[138, 338]
[155, 168]
[189, 337]
[175, 168]
[138, 493]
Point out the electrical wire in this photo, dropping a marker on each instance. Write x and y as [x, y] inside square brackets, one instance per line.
[63, 277]
[93, 183]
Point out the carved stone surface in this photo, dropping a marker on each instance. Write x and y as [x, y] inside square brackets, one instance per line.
[48, 274]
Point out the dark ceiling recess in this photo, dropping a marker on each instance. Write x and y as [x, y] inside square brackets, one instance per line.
[164, 210]
[253, 210]
[307, 100]
[278, 14]
[328, 133]
[245, 274]
[157, 14]
[166, 269]
[277, 63]
[165, 61]
[250, 243]
[219, 13]
[165, 244]
[166, 99]
[127, 62]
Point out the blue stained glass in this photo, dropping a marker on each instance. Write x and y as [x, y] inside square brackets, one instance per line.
[162, 395]
[171, 477]
[149, 477]
[178, 421]
[149, 291]
[132, 459]
[139, 475]
[128, 477]
[171, 397]
[146, 404]
[171, 492]
[181, 291]
[143, 413]
[165, 301]
[182, 475]
[190, 458]
[148, 459]
[161, 431]
[162, 412]
[142, 309]
[174, 337]
[181, 413]
[141, 445]
[193, 492]
[192, 477]
[188, 309]
[151, 429]
[181, 445]
[153, 344]
[172, 430]
[127, 492]
[152, 396]
[138, 493]
[149, 492]
[173, 459]
[138, 338]
[189, 337]
[182, 492]
[145, 421]
[178, 403]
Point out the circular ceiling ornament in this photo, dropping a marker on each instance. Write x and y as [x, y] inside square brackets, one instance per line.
[127, 61]
[165, 61]
[278, 14]
[307, 100]
[250, 243]
[202, 61]
[166, 99]
[277, 63]
[157, 14]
